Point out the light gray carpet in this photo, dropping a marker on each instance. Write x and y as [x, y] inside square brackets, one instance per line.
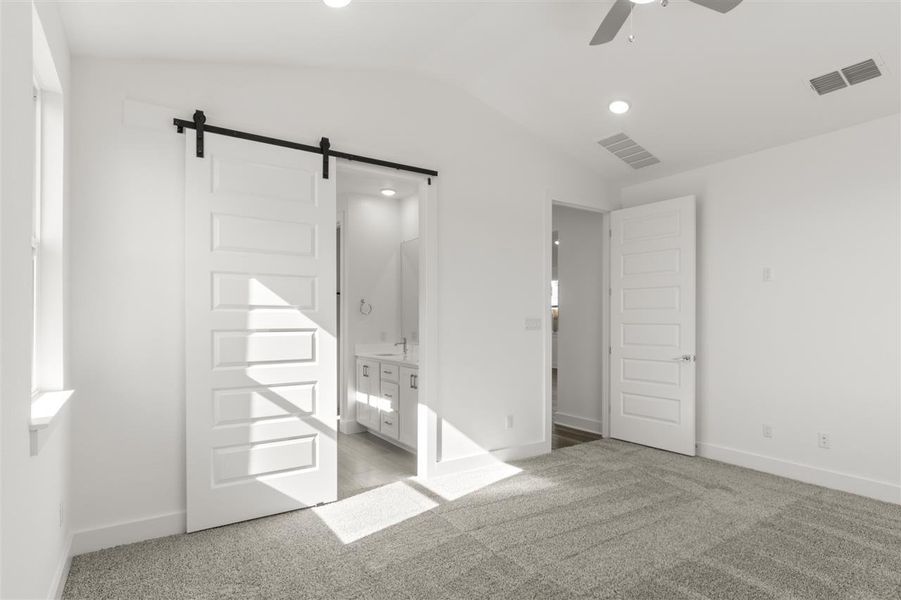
[598, 520]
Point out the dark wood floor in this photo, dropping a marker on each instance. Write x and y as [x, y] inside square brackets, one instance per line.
[567, 436]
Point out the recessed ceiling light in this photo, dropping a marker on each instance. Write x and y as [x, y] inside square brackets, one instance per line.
[619, 107]
[642, 1]
[336, 3]
[388, 192]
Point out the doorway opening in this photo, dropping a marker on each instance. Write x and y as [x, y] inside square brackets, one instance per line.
[379, 326]
[578, 307]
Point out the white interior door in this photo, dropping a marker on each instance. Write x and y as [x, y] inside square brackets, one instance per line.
[260, 331]
[652, 324]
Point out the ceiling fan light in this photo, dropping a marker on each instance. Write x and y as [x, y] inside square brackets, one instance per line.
[388, 192]
[336, 3]
[619, 107]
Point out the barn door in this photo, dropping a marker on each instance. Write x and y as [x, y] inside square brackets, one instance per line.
[260, 331]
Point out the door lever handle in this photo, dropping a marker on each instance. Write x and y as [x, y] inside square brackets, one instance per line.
[685, 358]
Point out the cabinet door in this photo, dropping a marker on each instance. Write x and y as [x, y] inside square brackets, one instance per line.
[362, 395]
[388, 417]
[374, 380]
[409, 405]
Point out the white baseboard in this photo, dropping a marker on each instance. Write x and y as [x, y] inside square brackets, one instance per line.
[521, 452]
[62, 572]
[350, 427]
[128, 532]
[871, 488]
[478, 461]
[580, 423]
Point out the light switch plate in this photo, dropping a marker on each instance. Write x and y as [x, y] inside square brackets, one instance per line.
[533, 324]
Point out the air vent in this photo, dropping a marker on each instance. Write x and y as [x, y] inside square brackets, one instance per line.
[831, 82]
[861, 72]
[828, 83]
[625, 148]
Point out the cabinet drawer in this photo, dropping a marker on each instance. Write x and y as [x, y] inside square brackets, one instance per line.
[388, 372]
[389, 425]
[389, 395]
[388, 415]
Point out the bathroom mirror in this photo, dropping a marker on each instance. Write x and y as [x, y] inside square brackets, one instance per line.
[409, 298]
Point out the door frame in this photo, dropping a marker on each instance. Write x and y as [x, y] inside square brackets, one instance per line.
[427, 421]
[547, 325]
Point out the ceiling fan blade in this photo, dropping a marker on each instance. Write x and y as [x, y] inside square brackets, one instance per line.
[722, 6]
[613, 22]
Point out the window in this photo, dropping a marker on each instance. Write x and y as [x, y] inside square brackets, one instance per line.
[36, 245]
[48, 393]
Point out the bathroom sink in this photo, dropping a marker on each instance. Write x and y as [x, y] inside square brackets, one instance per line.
[397, 357]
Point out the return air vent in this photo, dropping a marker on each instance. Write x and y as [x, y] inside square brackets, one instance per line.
[861, 72]
[828, 83]
[831, 82]
[625, 148]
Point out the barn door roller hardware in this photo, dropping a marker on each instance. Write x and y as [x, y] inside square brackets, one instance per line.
[198, 124]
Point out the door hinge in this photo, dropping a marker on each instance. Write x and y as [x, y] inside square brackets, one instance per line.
[609, 349]
[610, 233]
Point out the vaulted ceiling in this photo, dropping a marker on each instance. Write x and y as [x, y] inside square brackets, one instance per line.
[703, 86]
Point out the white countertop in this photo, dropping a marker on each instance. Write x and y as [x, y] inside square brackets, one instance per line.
[410, 360]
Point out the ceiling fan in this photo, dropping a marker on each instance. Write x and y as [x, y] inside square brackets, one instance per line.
[621, 10]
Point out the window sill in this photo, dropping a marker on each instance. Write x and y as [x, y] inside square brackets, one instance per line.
[45, 408]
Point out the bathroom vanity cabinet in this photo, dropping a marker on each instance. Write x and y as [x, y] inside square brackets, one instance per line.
[387, 398]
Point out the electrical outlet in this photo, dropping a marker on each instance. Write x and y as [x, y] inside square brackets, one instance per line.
[767, 431]
[768, 273]
[824, 440]
[508, 422]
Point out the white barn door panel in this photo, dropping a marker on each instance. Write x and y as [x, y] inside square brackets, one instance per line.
[260, 331]
[652, 324]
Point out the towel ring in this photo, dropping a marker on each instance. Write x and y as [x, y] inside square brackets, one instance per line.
[365, 307]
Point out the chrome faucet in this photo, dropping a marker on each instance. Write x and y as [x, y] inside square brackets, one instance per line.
[403, 342]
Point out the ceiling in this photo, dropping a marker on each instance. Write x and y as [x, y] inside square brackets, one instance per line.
[704, 86]
[370, 182]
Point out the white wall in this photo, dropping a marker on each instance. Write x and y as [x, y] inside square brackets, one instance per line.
[816, 349]
[34, 543]
[127, 258]
[580, 351]
[372, 243]
[409, 218]
[409, 269]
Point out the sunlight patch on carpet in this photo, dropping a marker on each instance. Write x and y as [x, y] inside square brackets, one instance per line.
[362, 515]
